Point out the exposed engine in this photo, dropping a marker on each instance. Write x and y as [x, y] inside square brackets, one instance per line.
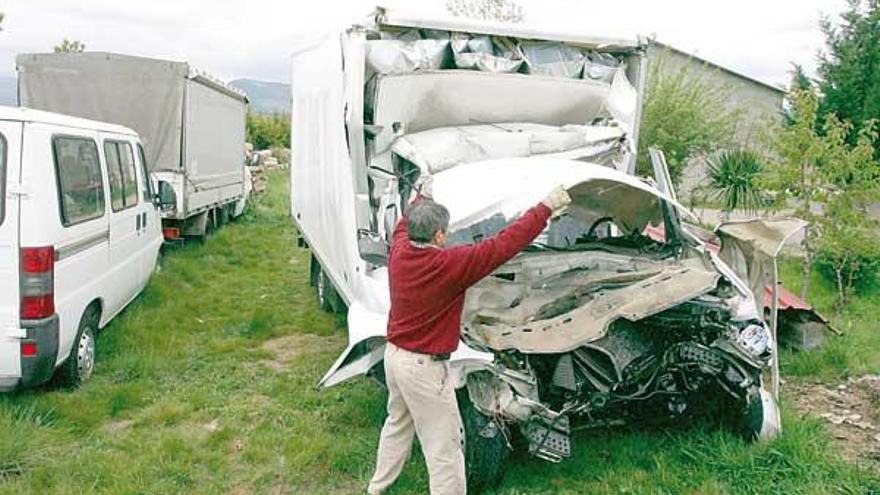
[666, 365]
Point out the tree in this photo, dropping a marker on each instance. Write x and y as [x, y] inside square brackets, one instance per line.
[68, 46]
[794, 174]
[849, 243]
[488, 10]
[850, 68]
[684, 115]
[800, 81]
[830, 183]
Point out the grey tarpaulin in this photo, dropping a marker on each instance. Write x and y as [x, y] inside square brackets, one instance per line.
[143, 94]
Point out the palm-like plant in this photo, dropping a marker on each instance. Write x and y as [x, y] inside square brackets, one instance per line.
[733, 179]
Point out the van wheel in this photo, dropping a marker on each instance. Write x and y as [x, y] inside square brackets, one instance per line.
[485, 446]
[80, 363]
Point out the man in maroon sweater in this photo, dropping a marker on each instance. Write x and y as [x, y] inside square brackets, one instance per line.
[428, 283]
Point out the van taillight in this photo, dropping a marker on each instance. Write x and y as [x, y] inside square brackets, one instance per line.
[37, 282]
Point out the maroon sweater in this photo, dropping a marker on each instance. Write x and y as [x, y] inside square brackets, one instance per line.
[428, 283]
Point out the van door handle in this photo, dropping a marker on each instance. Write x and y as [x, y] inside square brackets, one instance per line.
[144, 221]
[139, 222]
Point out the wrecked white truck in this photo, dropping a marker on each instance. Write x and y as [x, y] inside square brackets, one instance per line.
[616, 313]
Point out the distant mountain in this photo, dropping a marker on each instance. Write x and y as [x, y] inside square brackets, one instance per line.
[265, 97]
[8, 91]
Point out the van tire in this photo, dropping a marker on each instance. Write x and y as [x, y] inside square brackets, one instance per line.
[80, 363]
[485, 446]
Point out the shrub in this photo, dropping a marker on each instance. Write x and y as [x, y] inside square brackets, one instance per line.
[268, 131]
[684, 114]
[850, 258]
[734, 179]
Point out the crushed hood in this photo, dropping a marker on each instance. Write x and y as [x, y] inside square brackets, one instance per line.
[476, 191]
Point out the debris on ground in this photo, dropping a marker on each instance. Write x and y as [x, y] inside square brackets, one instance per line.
[850, 410]
[259, 162]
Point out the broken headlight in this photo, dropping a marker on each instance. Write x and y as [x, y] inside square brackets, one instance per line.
[754, 339]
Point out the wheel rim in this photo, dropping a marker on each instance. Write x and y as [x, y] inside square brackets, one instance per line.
[85, 354]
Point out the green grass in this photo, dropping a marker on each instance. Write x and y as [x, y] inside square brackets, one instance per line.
[855, 353]
[188, 398]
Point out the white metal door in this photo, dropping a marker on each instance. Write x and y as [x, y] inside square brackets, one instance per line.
[151, 223]
[124, 280]
[10, 167]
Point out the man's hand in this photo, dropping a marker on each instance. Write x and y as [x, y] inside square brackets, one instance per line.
[426, 187]
[557, 200]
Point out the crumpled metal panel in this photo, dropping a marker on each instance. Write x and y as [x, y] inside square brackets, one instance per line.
[550, 58]
[563, 312]
[485, 54]
[401, 57]
[749, 248]
[439, 149]
[601, 67]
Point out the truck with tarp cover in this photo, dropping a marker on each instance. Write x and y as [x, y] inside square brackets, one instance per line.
[192, 125]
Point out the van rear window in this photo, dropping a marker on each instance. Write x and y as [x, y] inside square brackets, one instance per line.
[121, 172]
[2, 178]
[80, 186]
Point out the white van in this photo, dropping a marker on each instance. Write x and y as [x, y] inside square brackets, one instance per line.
[79, 238]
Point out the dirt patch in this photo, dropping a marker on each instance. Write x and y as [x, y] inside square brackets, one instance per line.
[289, 347]
[851, 411]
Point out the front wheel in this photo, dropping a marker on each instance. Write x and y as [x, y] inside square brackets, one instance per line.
[80, 363]
[485, 446]
[761, 419]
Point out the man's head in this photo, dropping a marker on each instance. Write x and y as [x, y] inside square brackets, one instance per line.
[427, 221]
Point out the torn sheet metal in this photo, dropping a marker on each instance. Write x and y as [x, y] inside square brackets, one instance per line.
[550, 58]
[750, 248]
[485, 53]
[400, 57]
[601, 67]
[476, 191]
[562, 313]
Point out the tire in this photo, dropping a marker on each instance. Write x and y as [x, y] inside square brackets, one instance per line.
[80, 363]
[485, 446]
[760, 419]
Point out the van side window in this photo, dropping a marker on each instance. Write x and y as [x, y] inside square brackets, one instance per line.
[121, 171]
[2, 178]
[78, 172]
[145, 175]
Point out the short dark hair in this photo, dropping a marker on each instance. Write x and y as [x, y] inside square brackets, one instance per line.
[424, 219]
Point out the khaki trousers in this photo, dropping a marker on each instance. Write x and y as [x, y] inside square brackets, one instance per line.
[421, 401]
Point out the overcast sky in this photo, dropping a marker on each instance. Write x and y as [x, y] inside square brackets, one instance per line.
[254, 38]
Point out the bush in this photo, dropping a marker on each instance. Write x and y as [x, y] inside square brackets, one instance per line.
[734, 177]
[850, 260]
[268, 131]
[684, 114]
